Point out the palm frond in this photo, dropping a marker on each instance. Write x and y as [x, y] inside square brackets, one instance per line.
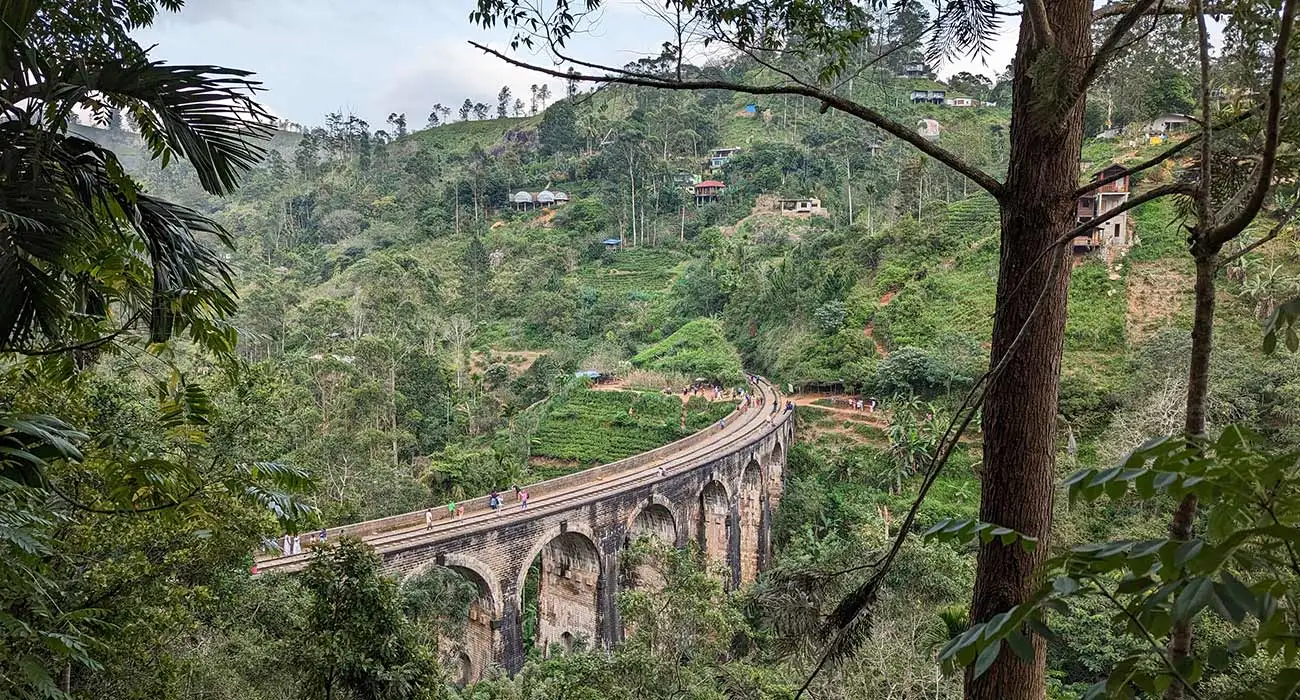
[964, 28]
[204, 114]
[29, 442]
[66, 208]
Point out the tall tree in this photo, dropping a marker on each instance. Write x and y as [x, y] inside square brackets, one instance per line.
[1055, 63]
[357, 642]
[532, 105]
[475, 271]
[908, 22]
[481, 111]
[519, 107]
[1230, 191]
[465, 108]
[398, 122]
[89, 258]
[435, 116]
[503, 102]
[543, 95]
[570, 83]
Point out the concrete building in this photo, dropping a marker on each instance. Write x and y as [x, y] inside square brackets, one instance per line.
[1113, 232]
[801, 208]
[936, 97]
[718, 157]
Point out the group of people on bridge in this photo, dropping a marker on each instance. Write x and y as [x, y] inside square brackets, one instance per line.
[495, 502]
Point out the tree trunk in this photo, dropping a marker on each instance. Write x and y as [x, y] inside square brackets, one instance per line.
[1198, 385]
[1020, 409]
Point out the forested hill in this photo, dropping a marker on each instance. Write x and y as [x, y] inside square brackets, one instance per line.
[386, 279]
[412, 333]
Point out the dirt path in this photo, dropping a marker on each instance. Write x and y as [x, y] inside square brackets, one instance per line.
[1155, 293]
[878, 418]
[870, 330]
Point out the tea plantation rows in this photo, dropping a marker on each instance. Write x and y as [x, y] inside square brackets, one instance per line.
[596, 427]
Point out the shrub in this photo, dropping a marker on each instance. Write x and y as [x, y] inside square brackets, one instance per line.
[699, 349]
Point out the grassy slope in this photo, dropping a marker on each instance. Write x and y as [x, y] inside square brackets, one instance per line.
[595, 427]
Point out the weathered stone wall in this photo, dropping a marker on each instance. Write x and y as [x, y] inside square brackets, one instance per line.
[751, 502]
[568, 593]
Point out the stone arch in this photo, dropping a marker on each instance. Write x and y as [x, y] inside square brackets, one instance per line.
[462, 669]
[775, 474]
[469, 657]
[654, 520]
[715, 523]
[568, 590]
[751, 519]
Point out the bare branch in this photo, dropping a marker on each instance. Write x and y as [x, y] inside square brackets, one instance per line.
[1161, 157]
[1113, 43]
[1214, 239]
[1042, 27]
[828, 99]
[1118, 9]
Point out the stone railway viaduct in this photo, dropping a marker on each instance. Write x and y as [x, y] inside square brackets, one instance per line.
[718, 490]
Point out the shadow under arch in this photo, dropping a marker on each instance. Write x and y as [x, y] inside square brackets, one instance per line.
[569, 583]
[468, 657]
[751, 502]
[715, 524]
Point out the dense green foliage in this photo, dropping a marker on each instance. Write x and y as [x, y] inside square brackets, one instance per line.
[697, 348]
[405, 337]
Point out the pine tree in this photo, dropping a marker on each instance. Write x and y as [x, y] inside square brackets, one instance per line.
[503, 102]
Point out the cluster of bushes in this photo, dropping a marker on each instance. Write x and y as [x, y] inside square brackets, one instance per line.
[698, 348]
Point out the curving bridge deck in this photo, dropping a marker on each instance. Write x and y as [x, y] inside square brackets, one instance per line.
[718, 490]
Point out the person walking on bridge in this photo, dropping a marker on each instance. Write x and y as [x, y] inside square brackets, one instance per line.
[428, 518]
[523, 500]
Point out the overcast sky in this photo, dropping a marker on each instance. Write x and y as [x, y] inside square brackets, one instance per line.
[373, 57]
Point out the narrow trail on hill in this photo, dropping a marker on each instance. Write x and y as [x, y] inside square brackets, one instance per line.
[870, 330]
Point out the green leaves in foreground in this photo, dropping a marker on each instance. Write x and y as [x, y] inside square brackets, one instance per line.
[967, 530]
[1242, 569]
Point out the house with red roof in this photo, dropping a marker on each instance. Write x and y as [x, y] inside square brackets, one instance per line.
[709, 191]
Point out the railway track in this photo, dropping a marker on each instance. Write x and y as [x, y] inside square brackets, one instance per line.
[408, 530]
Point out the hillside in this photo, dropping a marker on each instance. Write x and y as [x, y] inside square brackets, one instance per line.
[410, 334]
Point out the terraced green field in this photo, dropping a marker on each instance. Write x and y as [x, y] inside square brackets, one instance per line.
[636, 270]
[596, 427]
